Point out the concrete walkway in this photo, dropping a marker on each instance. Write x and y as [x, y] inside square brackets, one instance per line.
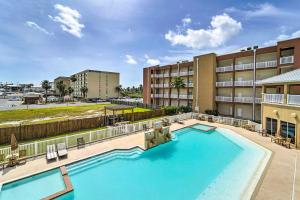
[281, 180]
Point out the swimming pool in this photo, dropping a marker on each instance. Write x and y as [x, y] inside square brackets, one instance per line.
[196, 164]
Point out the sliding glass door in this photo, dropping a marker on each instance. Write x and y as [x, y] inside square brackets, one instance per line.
[288, 130]
[271, 126]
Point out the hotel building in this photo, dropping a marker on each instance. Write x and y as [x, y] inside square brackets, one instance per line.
[66, 81]
[100, 84]
[226, 83]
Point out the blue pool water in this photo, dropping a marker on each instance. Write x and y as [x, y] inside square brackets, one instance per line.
[194, 165]
[34, 187]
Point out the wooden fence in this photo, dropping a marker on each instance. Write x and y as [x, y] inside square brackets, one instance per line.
[44, 130]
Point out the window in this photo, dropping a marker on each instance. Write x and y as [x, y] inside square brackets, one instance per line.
[287, 130]
[271, 126]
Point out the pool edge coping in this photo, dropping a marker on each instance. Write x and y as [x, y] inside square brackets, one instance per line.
[67, 182]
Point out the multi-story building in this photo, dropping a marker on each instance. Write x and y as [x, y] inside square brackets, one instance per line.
[281, 106]
[226, 83]
[66, 81]
[100, 84]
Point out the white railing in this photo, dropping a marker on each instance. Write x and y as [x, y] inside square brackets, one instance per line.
[173, 96]
[293, 99]
[224, 69]
[244, 66]
[166, 75]
[258, 100]
[174, 74]
[224, 84]
[243, 99]
[273, 98]
[286, 60]
[191, 73]
[223, 98]
[243, 83]
[266, 64]
[183, 73]
[40, 147]
[232, 121]
[166, 84]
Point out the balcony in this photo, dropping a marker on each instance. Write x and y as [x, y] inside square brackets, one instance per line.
[224, 69]
[273, 98]
[189, 84]
[266, 64]
[243, 99]
[224, 98]
[181, 96]
[243, 83]
[224, 84]
[293, 99]
[191, 73]
[286, 60]
[244, 66]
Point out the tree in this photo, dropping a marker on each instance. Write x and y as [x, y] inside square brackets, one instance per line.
[70, 90]
[141, 88]
[119, 89]
[61, 88]
[73, 78]
[84, 90]
[178, 83]
[46, 86]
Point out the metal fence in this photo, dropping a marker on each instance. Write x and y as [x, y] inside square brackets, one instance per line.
[232, 121]
[40, 147]
[136, 104]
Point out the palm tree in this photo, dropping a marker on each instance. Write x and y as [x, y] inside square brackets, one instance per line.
[178, 83]
[61, 88]
[119, 89]
[46, 86]
[70, 90]
[84, 90]
[73, 78]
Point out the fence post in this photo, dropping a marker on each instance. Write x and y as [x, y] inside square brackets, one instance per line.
[35, 148]
[90, 136]
[67, 142]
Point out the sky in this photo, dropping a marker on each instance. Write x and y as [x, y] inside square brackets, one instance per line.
[41, 40]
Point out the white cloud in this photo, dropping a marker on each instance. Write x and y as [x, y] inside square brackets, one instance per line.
[186, 21]
[151, 61]
[68, 19]
[130, 60]
[259, 10]
[223, 27]
[281, 37]
[37, 27]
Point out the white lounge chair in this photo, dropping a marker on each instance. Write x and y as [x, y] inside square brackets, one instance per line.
[51, 152]
[62, 150]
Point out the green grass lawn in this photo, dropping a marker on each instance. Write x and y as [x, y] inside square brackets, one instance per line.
[36, 113]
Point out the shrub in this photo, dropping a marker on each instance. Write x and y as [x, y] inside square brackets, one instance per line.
[185, 109]
[212, 112]
[170, 110]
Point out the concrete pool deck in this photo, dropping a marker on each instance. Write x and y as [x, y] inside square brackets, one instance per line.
[281, 179]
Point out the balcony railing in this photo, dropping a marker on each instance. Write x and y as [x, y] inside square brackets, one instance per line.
[243, 83]
[258, 100]
[243, 99]
[244, 66]
[273, 98]
[286, 60]
[293, 99]
[224, 84]
[189, 84]
[266, 64]
[224, 98]
[191, 73]
[224, 69]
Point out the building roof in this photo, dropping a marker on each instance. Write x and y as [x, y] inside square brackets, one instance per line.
[289, 77]
[96, 71]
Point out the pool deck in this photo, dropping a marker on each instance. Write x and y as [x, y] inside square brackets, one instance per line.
[281, 180]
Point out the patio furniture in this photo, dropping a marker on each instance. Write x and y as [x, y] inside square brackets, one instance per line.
[287, 142]
[12, 159]
[263, 132]
[51, 152]
[22, 156]
[80, 142]
[145, 127]
[210, 119]
[62, 150]
[2, 161]
[274, 138]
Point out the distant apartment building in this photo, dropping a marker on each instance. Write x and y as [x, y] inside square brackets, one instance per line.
[66, 81]
[226, 83]
[100, 84]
